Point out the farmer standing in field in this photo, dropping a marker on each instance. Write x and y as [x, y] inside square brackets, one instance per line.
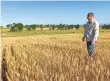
[91, 33]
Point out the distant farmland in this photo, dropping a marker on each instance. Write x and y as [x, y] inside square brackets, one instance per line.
[58, 57]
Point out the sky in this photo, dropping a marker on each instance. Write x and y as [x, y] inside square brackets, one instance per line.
[53, 12]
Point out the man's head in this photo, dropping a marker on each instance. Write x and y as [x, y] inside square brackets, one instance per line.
[90, 17]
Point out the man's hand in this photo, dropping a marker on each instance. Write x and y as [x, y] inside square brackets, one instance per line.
[93, 42]
[83, 39]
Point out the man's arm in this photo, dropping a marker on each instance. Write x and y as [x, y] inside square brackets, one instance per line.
[96, 32]
[84, 34]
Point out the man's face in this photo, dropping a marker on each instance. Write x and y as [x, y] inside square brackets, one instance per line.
[90, 18]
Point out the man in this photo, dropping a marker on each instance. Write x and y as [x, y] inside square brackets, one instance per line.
[91, 33]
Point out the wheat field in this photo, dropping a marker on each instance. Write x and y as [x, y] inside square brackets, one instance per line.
[55, 58]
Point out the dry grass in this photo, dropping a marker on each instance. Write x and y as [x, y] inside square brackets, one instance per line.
[55, 58]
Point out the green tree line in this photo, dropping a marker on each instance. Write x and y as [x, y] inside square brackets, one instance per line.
[19, 26]
[105, 26]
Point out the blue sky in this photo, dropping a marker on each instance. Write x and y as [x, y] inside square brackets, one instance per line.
[53, 12]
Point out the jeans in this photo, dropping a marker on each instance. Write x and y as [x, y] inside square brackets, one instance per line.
[90, 48]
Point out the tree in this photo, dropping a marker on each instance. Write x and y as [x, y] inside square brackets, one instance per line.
[28, 28]
[16, 27]
[109, 26]
[105, 26]
[77, 26]
[52, 27]
[8, 25]
[33, 26]
[71, 26]
[41, 26]
[13, 29]
[63, 26]
[66, 27]
[19, 26]
[60, 26]
[25, 26]
[56, 26]
[48, 25]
